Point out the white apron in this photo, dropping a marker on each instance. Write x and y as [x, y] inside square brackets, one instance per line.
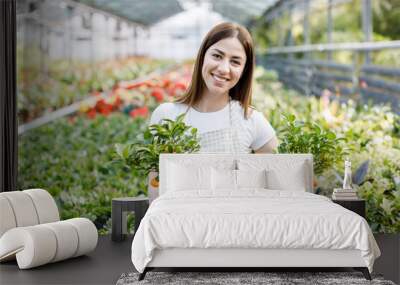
[227, 140]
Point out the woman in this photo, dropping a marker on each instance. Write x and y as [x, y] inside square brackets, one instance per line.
[217, 102]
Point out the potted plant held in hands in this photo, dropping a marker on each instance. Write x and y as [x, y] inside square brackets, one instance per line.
[166, 137]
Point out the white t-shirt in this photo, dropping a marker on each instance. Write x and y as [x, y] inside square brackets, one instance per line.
[257, 130]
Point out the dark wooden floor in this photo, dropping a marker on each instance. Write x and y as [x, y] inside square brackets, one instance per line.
[102, 266]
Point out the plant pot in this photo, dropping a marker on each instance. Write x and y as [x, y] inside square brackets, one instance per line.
[152, 188]
[388, 263]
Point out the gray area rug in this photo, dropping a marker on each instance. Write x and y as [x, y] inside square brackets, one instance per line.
[231, 278]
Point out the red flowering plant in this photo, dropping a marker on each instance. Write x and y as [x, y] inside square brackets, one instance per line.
[158, 94]
[137, 99]
[139, 112]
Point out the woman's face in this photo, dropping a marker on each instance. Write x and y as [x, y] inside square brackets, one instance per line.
[223, 65]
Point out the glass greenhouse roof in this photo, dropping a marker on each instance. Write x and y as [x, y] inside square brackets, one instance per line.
[152, 11]
[242, 11]
[138, 11]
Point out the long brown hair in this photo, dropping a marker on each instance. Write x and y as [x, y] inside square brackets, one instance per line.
[243, 89]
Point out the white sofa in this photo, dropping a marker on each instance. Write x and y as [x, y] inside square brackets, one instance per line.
[31, 231]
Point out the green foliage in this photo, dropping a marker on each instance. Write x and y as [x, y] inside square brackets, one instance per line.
[369, 132]
[167, 137]
[346, 24]
[386, 18]
[299, 137]
[72, 162]
[381, 189]
[75, 158]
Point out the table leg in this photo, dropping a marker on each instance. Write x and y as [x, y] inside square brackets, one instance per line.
[124, 223]
[116, 220]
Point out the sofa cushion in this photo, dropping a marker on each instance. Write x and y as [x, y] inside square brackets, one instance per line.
[26, 208]
[7, 220]
[45, 205]
[23, 208]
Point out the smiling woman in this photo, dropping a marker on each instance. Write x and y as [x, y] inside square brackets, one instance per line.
[222, 68]
[218, 100]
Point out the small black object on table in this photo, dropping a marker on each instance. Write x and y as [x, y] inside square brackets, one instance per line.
[356, 205]
[120, 206]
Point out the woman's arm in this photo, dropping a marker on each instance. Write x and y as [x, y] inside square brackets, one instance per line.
[269, 147]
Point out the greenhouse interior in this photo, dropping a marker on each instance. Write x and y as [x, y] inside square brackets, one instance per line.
[82, 79]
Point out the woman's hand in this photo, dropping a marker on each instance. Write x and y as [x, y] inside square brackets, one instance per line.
[269, 147]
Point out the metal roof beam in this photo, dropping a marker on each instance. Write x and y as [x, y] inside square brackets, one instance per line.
[76, 4]
[363, 46]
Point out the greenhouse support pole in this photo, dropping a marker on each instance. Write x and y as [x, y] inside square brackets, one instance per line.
[306, 26]
[135, 39]
[290, 39]
[367, 25]
[8, 97]
[70, 44]
[306, 22]
[329, 27]
[92, 50]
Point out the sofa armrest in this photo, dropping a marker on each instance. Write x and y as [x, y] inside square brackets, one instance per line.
[40, 244]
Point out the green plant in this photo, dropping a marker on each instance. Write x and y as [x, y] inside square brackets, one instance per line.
[71, 159]
[299, 137]
[380, 187]
[372, 144]
[167, 137]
